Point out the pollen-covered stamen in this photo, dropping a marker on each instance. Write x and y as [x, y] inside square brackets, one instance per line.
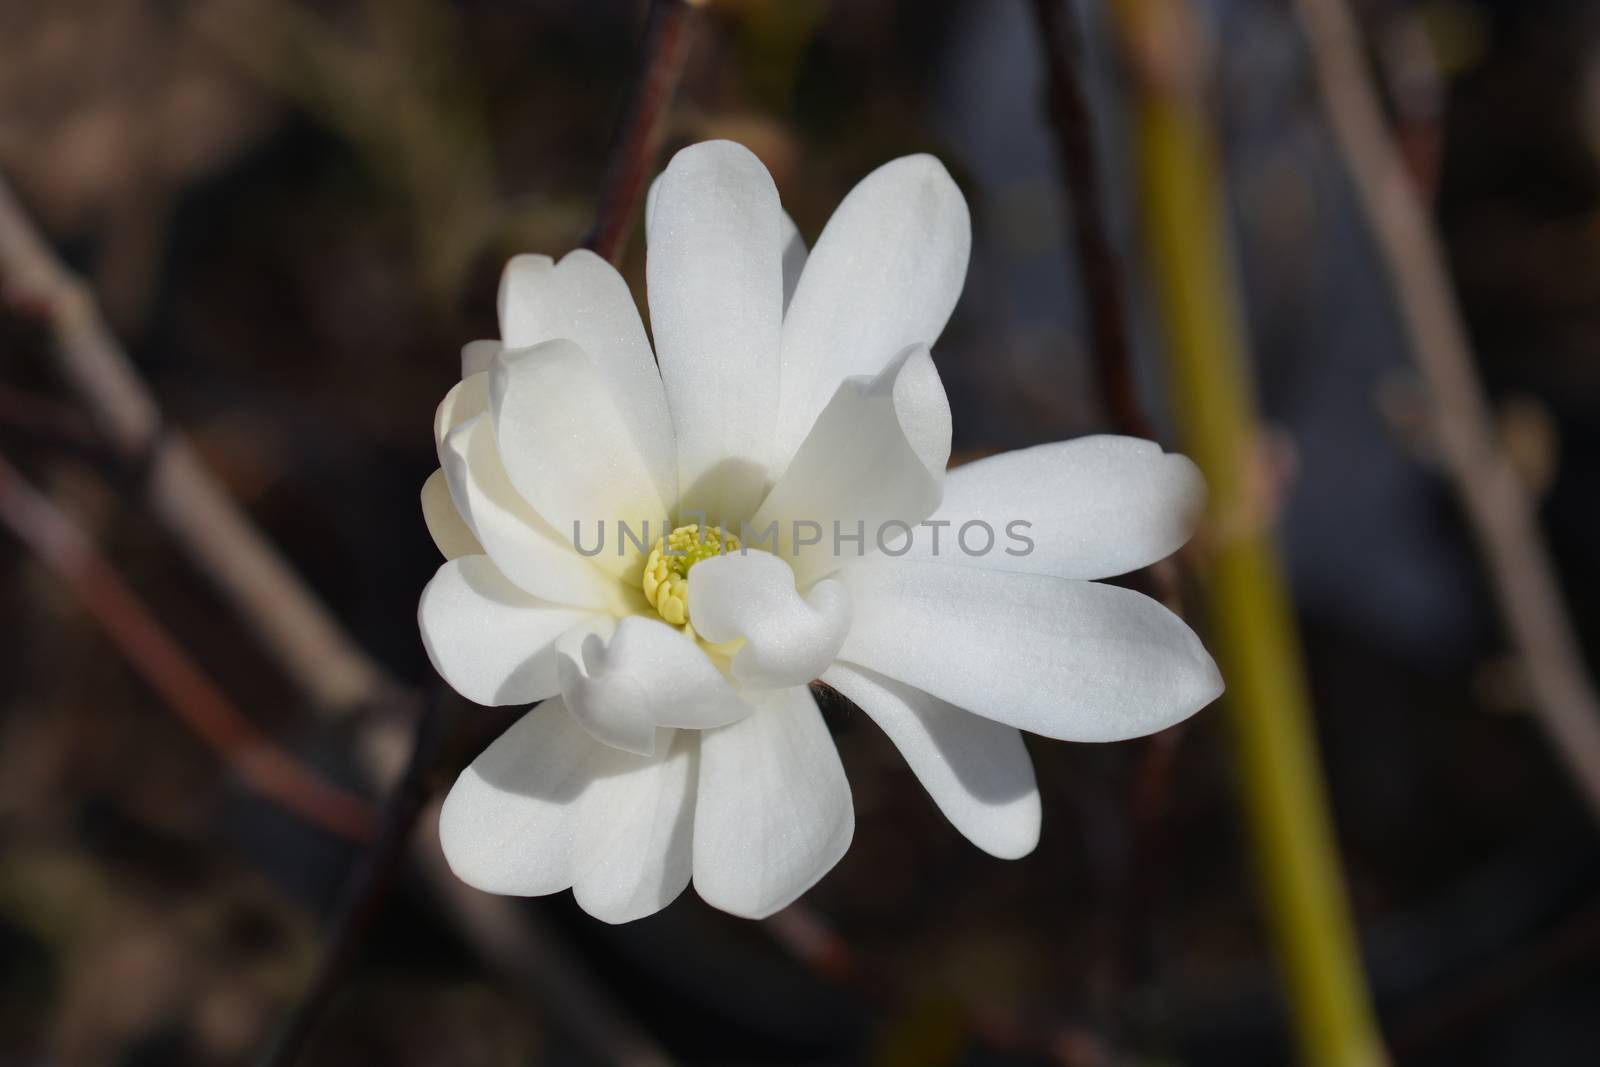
[666, 571]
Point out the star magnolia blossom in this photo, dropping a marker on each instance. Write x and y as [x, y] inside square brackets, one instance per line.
[678, 737]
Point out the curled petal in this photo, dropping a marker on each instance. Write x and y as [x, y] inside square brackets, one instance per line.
[523, 546]
[448, 529]
[584, 300]
[466, 400]
[566, 446]
[875, 458]
[886, 273]
[788, 639]
[491, 641]
[647, 675]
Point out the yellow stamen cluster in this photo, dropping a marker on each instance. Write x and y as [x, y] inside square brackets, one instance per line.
[666, 571]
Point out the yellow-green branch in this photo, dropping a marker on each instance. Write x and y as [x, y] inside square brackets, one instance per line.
[1252, 624]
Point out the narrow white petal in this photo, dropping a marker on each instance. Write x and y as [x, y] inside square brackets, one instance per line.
[491, 641]
[567, 449]
[976, 770]
[448, 529]
[546, 807]
[1091, 508]
[1079, 661]
[510, 823]
[715, 273]
[622, 686]
[789, 639]
[637, 829]
[774, 812]
[886, 273]
[792, 243]
[876, 456]
[794, 259]
[525, 548]
[584, 300]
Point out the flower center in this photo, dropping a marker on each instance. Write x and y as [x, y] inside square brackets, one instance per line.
[666, 571]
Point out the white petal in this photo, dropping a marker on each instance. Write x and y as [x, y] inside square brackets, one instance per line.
[491, 641]
[1079, 661]
[475, 357]
[774, 812]
[715, 271]
[789, 640]
[566, 448]
[647, 674]
[876, 455]
[636, 830]
[525, 548]
[448, 529]
[794, 259]
[1091, 508]
[546, 807]
[510, 823]
[886, 273]
[467, 399]
[976, 770]
[584, 300]
[794, 245]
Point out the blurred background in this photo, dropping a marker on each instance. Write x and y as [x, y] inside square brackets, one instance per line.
[292, 215]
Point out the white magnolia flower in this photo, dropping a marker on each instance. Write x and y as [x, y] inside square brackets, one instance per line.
[678, 737]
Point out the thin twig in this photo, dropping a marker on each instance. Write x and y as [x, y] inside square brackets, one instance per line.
[363, 895]
[62, 545]
[1497, 503]
[293, 624]
[523, 948]
[42, 419]
[642, 127]
[1489, 988]
[319, 655]
[1257, 647]
[1098, 266]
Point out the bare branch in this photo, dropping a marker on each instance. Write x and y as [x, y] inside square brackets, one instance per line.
[362, 897]
[306, 638]
[1098, 266]
[643, 125]
[521, 947]
[294, 625]
[1496, 501]
[61, 544]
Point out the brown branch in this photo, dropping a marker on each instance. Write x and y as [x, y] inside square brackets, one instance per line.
[522, 948]
[293, 624]
[41, 419]
[361, 900]
[1098, 266]
[642, 127]
[1497, 503]
[61, 544]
